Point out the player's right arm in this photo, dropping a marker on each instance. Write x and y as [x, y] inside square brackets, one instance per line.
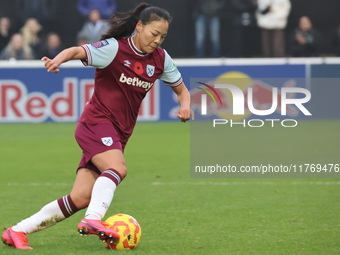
[52, 65]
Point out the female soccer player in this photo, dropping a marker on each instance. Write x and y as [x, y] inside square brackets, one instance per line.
[128, 61]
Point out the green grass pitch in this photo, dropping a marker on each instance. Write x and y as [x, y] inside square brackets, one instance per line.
[177, 214]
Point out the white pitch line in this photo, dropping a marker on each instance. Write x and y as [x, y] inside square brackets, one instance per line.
[39, 184]
[326, 183]
[209, 183]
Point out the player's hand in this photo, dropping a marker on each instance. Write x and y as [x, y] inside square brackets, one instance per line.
[51, 65]
[185, 113]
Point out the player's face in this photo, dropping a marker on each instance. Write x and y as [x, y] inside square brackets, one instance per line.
[150, 36]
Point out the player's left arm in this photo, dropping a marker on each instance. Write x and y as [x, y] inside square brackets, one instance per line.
[183, 96]
[52, 65]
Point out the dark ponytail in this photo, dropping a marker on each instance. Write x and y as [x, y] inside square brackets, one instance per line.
[124, 24]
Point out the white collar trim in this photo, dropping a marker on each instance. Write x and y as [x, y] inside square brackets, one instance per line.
[135, 49]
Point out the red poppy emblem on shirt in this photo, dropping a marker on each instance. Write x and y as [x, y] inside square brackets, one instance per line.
[138, 68]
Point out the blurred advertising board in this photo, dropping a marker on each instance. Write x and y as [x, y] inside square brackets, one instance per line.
[28, 93]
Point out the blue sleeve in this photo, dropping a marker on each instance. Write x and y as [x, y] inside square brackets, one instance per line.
[100, 54]
[112, 5]
[82, 7]
[171, 76]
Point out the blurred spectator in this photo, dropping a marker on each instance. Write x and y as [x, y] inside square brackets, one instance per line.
[304, 41]
[244, 23]
[207, 18]
[17, 49]
[32, 32]
[52, 46]
[94, 28]
[81, 41]
[105, 7]
[5, 31]
[42, 10]
[272, 16]
[336, 41]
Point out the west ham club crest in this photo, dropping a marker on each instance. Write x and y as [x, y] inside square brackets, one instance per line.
[150, 70]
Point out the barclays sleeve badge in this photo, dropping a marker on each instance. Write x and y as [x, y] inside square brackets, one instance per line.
[100, 44]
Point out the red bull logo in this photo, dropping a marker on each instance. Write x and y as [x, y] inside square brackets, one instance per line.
[19, 105]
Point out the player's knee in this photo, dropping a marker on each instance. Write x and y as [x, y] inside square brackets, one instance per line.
[81, 201]
[122, 171]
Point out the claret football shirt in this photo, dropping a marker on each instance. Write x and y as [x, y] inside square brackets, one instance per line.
[123, 76]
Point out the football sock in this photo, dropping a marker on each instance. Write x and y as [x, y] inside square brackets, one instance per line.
[48, 216]
[102, 194]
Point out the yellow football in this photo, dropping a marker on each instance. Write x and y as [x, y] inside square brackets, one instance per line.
[128, 229]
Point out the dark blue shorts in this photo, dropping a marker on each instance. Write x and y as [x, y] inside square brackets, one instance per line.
[94, 139]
